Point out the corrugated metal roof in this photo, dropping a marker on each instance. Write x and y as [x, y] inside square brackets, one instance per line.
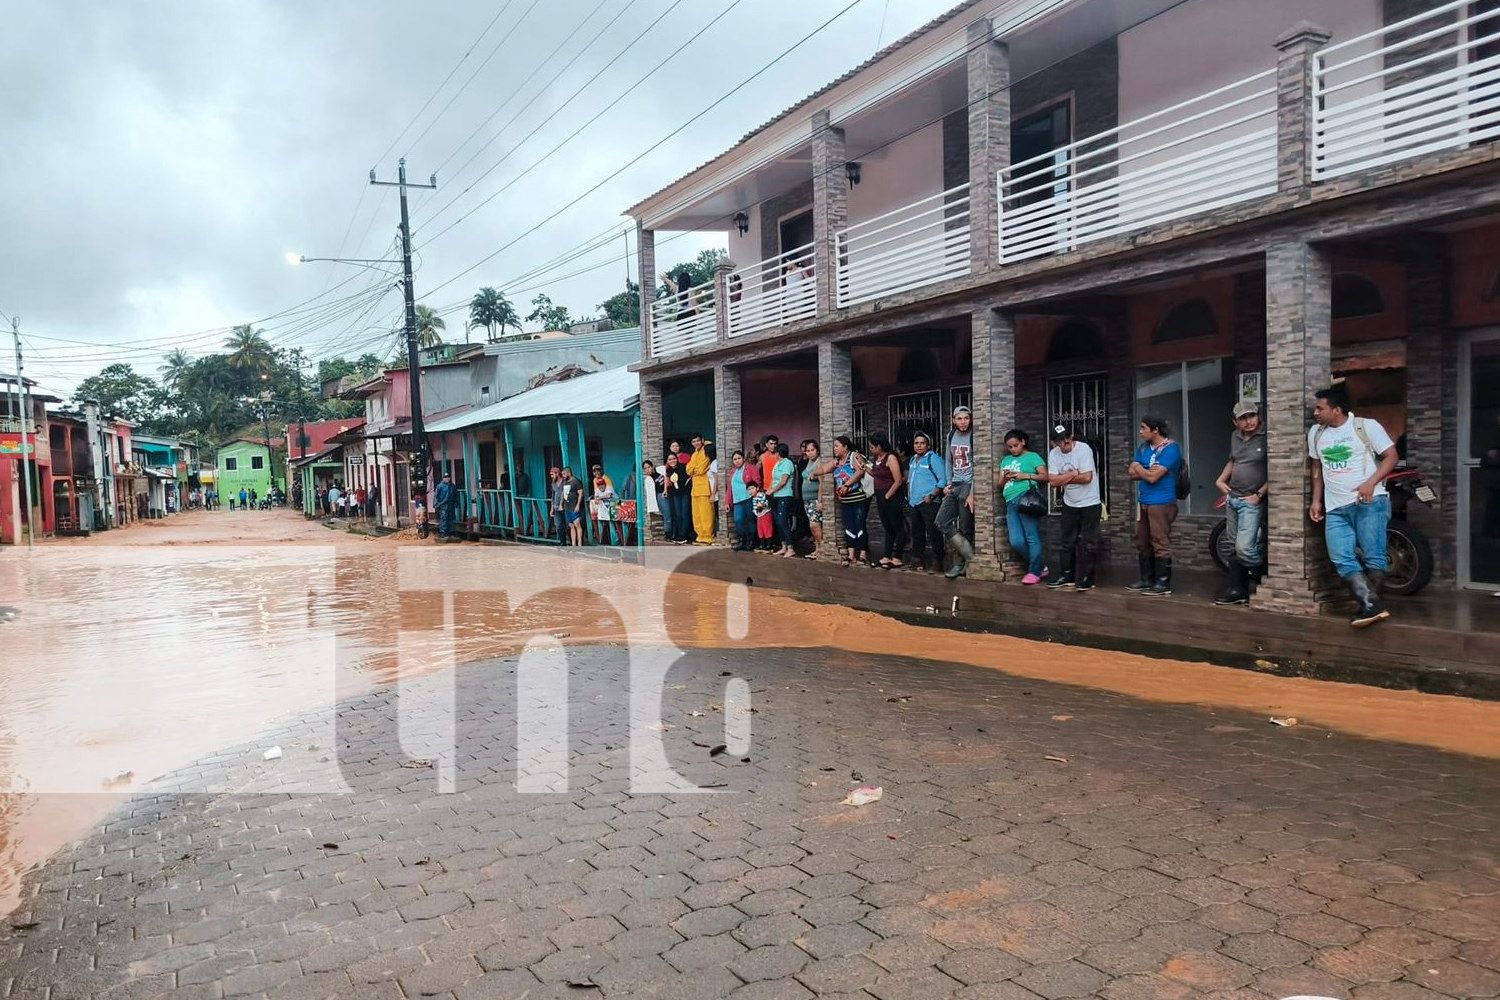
[899, 43]
[614, 390]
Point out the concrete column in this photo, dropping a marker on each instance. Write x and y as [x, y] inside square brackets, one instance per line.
[652, 445]
[994, 406]
[721, 298]
[728, 435]
[989, 140]
[645, 242]
[835, 417]
[1299, 308]
[830, 205]
[1294, 106]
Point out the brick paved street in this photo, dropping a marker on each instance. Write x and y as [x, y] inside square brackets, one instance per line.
[1168, 853]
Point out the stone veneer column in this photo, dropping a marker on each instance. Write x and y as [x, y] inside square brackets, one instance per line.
[994, 406]
[1294, 108]
[652, 445]
[1426, 331]
[645, 245]
[835, 417]
[1299, 311]
[830, 205]
[728, 431]
[989, 140]
[721, 298]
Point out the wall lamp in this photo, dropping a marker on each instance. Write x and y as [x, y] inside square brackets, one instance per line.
[851, 170]
[742, 222]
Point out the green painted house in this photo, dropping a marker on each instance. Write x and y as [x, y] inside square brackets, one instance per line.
[246, 463]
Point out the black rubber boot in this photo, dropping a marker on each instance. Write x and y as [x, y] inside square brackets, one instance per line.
[1238, 589]
[1163, 585]
[1370, 610]
[1147, 578]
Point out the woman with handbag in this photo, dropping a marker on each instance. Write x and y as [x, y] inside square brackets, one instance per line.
[1021, 473]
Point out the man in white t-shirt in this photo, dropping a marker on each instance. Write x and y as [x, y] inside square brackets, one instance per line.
[1070, 466]
[1351, 458]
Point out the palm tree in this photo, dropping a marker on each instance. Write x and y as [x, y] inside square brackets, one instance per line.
[174, 366]
[428, 325]
[249, 352]
[490, 309]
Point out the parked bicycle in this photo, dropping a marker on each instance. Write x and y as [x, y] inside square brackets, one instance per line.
[1407, 551]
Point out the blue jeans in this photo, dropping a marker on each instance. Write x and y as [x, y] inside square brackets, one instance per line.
[1362, 525]
[666, 503]
[1243, 522]
[781, 511]
[854, 515]
[1025, 537]
[744, 525]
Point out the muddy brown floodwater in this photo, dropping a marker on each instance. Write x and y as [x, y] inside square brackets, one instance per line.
[135, 652]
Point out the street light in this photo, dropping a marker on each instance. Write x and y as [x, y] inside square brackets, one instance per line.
[293, 258]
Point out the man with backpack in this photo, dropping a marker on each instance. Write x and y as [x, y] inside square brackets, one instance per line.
[1351, 457]
[1161, 480]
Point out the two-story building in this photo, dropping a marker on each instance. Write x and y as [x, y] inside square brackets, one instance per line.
[24, 452]
[1085, 210]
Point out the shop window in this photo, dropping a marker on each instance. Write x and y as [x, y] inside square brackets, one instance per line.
[1186, 321]
[231, 465]
[1195, 398]
[1075, 341]
[918, 364]
[1354, 296]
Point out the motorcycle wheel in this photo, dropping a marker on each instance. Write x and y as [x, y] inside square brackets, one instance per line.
[422, 529]
[1408, 559]
[1220, 545]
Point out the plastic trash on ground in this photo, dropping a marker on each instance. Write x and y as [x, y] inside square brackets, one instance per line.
[272, 754]
[863, 795]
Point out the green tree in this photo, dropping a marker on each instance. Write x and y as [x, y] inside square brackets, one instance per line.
[173, 366]
[249, 351]
[624, 308]
[547, 315]
[429, 327]
[121, 391]
[491, 309]
[699, 271]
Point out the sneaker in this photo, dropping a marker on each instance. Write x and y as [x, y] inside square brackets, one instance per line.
[1063, 582]
[1232, 597]
[1030, 580]
[1083, 586]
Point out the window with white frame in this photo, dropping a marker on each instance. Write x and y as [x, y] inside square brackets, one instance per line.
[1195, 398]
[257, 462]
[231, 465]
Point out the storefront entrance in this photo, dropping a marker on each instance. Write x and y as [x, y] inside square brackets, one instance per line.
[1479, 462]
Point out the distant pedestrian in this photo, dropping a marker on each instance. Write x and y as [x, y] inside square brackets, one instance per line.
[888, 482]
[555, 496]
[244, 497]
[955, 518]
[445, 499]
[1157, 469]
[1025, 502]
[926, 477]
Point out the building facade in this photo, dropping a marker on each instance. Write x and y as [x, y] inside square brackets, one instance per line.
[1048, 214]
[25, 456]
[244, 463]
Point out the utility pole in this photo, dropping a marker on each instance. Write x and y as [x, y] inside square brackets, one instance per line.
[422, 452]
[23, 396]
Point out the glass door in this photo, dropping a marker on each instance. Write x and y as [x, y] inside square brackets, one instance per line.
[1479, 462]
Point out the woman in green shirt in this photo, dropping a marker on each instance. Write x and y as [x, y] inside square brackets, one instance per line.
[1021, 470]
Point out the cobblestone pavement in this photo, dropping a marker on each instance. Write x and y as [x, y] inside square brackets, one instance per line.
[1033, 841]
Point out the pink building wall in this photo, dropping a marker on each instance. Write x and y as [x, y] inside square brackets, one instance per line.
[784, 403]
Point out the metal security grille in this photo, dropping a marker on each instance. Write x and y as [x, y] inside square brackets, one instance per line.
[861, 431]
[1080, 402]
[917, 411]
[961, 396]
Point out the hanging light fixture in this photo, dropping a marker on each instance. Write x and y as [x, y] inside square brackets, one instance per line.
[851, 170]
[742, 222]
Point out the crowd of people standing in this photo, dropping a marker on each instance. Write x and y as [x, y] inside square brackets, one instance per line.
[925, 500]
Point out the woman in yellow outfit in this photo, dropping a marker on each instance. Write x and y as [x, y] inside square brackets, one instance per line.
[703, 500]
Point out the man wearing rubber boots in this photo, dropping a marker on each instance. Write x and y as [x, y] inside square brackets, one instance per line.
[1351, 457]
[1244, 485]
[955, 517]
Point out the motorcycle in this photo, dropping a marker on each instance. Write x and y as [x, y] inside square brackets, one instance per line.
[1408, 554]
[424, 527]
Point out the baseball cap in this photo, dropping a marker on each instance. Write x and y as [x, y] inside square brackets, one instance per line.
[1061, 432]
[1244, 408]
[961, 409]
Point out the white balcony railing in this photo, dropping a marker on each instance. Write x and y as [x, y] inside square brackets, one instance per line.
[910, 247]
[1213, 150]
[683, 321]
[1419, 86]
[774, 292]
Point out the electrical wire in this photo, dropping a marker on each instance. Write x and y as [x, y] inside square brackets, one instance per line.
[644, 153]
[543, 123]
[440, 86]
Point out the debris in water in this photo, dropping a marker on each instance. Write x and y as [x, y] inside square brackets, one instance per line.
[560, 635]
[8, 613]
[1054, 757]
[697, 715]
[120, 779]
[272, 754]
[899, 698]
[863, 795]
[744, 760]
[725, 673]
[1061, 718]
[1286, 722]
[416, 763]
[856, 776]
[1264, 665]
[661, 727]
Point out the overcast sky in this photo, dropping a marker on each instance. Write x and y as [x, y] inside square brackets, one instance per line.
[163, 156]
